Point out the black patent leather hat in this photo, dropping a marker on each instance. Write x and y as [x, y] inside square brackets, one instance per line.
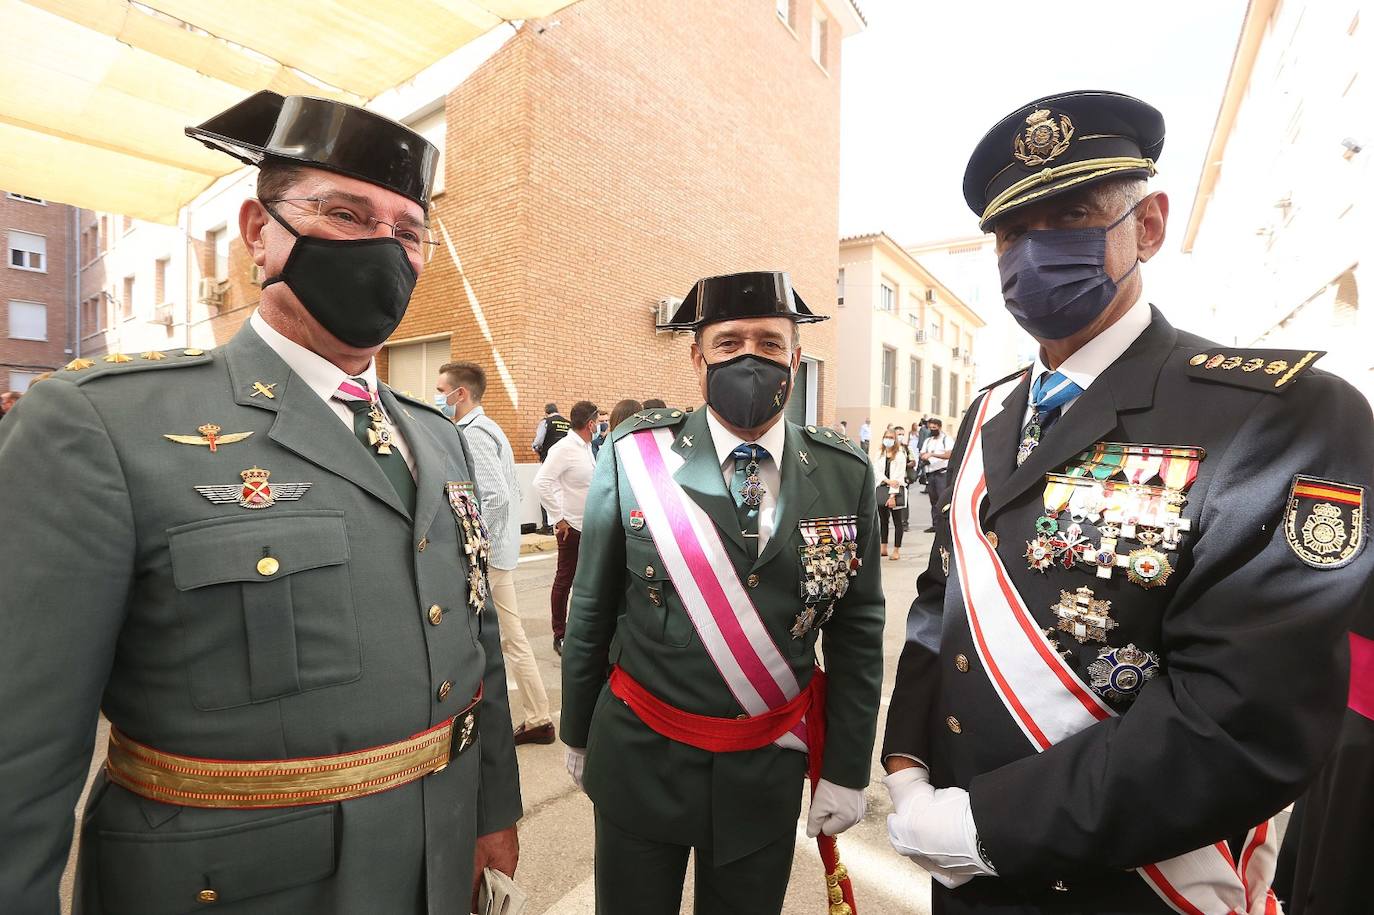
[325, 134]
[760, 294]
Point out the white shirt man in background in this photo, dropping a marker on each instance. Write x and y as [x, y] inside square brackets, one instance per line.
[562, 483]
[458, 393]
[935, 451]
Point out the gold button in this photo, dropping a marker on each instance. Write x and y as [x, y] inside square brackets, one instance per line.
[424, 542]
[436, 614]
[207, 896]
[961, 663]
[752, 581]
[446, 687]
[199, 352]
[268, 566]
[992, 539]
[811, 429]
[648, 571]
[675, 414]
[953, 724]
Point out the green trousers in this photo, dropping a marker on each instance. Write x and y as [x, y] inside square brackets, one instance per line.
[638, 876]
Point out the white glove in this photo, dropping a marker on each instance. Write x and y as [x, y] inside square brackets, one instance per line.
[934, 827]
[834, 809]
[575, 759]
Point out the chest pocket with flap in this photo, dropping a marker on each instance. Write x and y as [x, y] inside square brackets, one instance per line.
[649, 590]
[266, 605]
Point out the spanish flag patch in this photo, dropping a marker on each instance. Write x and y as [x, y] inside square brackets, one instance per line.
[1325, 521]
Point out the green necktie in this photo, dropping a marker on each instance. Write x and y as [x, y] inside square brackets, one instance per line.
[373, 431]
[748, 489]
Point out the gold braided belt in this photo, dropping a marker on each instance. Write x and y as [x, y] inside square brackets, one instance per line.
[189, 781]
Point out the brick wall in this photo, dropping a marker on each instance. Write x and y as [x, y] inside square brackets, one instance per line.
[610, 161]
[53, 221]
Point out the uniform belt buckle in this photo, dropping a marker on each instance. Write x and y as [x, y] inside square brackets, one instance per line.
[465, 730]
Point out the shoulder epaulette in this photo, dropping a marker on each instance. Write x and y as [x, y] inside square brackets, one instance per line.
[655, 418]
[82, 370]
[1271, 370]
[1022, 370]
[412, 399]
[835, 440]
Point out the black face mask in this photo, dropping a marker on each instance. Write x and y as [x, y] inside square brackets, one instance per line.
[358, 289]
[747, 391]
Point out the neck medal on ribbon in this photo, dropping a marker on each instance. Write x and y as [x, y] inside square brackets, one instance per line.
[752, 490]
[830, 557]
[1112, 487]
[462, 499]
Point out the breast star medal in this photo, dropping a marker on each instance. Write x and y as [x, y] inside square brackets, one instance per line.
[1119, 673]
[1083, 616]
[255, 492]
[1148, 568]
[209, 435]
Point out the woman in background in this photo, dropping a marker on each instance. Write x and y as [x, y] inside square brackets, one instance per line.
[890, 468]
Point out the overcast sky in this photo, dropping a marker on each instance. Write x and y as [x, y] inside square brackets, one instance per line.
[926, 80]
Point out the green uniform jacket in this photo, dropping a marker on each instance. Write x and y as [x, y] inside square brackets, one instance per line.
[732, 803]
[124, 589]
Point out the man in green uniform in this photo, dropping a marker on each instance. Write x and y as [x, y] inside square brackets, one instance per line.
[267, 570]
[717, 546]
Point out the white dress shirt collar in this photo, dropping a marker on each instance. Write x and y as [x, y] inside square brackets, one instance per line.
[1093, 357]
[773, 441]
[471, 415]
[322, 376]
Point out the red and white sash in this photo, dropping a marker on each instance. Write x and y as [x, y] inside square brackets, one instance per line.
[1048, 701]
[726, 620]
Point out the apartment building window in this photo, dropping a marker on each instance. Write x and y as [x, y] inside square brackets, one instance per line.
[217, 253]
[784, 10]
[839, 287]
[936, 376]
[954, 337]
[27, 199]
[104, 233]
[126, 304]
[913, 314]
[19, 381]
[28, 321]
[953, 394]
[820, 28]
[160, 281]
[889, 379]
[913, 400]
[414, 367]
[936, 327]
[887, 296]
[28, 251]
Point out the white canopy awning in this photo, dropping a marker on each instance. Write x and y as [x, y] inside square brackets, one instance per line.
[95, 94]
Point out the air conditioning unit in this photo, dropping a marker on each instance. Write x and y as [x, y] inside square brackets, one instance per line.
[163, 314]
[930, 296]
[955, 351]
[664, 309]
[211, 291]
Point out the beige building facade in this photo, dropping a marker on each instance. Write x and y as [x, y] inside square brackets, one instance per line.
[1279, 238]
[907, 345]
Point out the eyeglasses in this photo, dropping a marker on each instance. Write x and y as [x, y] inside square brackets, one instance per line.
[346, 218]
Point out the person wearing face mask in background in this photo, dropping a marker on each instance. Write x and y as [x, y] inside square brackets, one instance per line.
[1128, 651]
[719, 545]
[276, 566]
[603, 428]
[891, 467]
[458, 395]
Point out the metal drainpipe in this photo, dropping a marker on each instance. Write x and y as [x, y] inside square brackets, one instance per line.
[76, 271]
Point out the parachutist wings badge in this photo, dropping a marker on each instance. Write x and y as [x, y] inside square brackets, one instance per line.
[254, 492]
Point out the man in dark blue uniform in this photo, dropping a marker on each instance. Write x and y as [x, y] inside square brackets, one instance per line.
[1128, 650]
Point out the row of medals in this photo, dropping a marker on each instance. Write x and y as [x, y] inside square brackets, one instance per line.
[476, 541]
[1118, 510]
[827, 565]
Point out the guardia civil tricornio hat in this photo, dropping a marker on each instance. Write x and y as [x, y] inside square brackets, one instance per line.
[325, 134]
[1057, 144]
[760, 294]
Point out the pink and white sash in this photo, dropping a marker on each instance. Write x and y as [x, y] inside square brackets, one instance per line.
[726, 620]
[1048, 701]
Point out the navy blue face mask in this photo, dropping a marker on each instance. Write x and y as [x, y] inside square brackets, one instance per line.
[1055, 281]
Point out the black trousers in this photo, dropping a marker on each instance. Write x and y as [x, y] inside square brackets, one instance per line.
[898, 516]
[935, 488]
[638, 876]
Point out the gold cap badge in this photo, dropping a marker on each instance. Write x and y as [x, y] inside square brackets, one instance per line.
[1044, 138]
